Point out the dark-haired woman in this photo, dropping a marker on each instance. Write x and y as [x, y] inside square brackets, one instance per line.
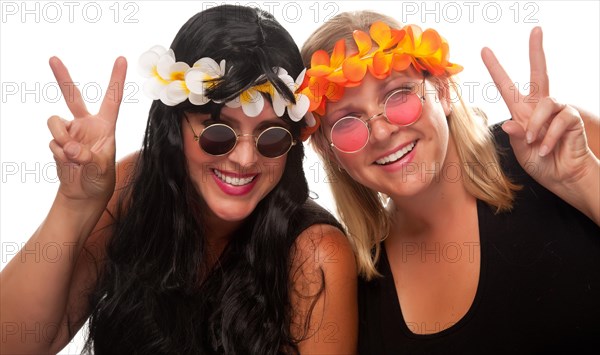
[205, 240]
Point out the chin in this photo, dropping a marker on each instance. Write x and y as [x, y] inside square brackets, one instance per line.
[233, 213]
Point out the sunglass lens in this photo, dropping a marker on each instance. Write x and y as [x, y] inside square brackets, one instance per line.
[349, 134]
[217, 139]
[274, 142]
[403, 108]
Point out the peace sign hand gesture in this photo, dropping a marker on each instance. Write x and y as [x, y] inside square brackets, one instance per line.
[84, 148]
[547, 137]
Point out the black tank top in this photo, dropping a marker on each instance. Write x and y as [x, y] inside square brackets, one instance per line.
[538, 291]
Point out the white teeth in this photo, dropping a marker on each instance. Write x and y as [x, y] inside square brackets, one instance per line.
[233, 180]
[397, 155]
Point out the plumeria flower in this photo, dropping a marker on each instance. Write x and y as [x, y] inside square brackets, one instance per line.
[166, 76]
[295, 111]
[174, 82]
[176, 91]
[279, 102]
[148, 68]
[199, 78]
[251, 100]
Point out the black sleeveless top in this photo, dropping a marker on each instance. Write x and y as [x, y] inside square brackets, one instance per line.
[310, 214]
[538, 291]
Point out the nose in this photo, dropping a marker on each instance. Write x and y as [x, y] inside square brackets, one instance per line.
[244, 153]
[381, 128]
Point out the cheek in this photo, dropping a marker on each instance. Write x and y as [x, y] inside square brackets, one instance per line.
[274, 170]
[348, 162]
[442, 130]
[193, 153]
[438, 140]
[188, 151]
[436, 119]
[188, 143]
[195, 158]
[344, 161]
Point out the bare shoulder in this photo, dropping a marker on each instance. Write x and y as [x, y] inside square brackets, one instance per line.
[323, 259]
[324, 292]
[325, 246]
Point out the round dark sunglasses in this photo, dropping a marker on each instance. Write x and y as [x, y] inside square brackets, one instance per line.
[220, 139]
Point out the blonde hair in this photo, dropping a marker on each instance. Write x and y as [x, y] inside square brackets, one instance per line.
[362, 210]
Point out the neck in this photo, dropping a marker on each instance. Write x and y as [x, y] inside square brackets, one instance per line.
[219, 233]
[435, 209]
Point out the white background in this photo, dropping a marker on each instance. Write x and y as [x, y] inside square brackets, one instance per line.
[88, 36]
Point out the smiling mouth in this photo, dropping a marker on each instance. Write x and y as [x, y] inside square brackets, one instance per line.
[399, 154]
[234, 181]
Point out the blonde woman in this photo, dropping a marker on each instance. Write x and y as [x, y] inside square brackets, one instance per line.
[468, 238]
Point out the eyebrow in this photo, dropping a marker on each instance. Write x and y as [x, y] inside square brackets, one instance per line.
[391, 82]
[350, 107]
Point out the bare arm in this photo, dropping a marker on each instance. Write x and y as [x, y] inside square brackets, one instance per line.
[556, 143]
[35, 292]
[90, 262]
[50, 296]
[324, 259]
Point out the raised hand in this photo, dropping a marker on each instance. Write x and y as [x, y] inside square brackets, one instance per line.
[84, 148]
[548, 137]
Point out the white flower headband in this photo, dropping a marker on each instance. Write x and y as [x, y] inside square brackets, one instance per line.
[174, 82]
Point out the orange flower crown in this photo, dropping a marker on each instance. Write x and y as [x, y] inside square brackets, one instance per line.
[396, 50]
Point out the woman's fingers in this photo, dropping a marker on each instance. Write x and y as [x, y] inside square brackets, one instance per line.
[69, 91]
[59, 129]
[549, 122]
[57, 151]
[114, 94]
[544, 112]
[566, 120]
[112, 99]
[539, 83]
[540, 86]
[516, 133]
[63, 146]
[513, 129]
[503, 82]
[78, 153]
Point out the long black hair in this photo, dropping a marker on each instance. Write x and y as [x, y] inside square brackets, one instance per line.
[155, 293]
